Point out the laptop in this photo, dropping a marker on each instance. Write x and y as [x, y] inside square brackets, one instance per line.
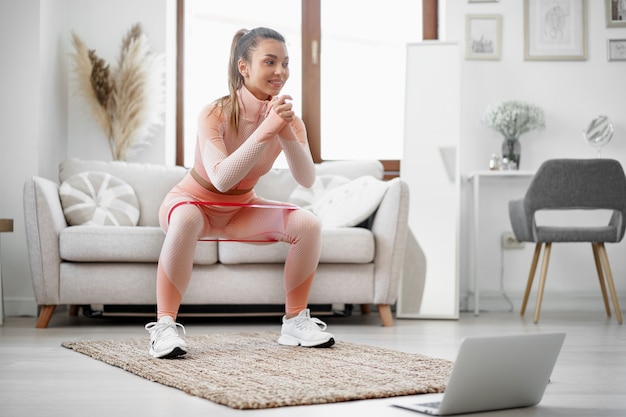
[497, 372]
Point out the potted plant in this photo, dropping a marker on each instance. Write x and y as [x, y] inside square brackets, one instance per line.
[127, 102]
[512, 119]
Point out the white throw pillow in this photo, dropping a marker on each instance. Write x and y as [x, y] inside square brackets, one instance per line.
[98, 198]
[351, 203]
[305, 197]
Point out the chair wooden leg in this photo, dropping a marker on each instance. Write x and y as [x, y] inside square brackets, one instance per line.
[385, 314]
[609, 279]
[44, 316]
[596, 258]
[542, 282]
[531, 277]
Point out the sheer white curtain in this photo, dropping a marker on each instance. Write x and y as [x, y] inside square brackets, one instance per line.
[363, 75]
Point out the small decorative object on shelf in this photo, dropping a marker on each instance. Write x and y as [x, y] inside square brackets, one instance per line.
[127, 102]
[512, 119]
[508, 165]
[495, 163]
[599, 133]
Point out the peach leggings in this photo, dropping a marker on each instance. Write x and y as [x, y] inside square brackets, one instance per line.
[188, 223]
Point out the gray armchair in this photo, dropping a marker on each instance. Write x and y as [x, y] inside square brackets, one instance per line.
[572, 184]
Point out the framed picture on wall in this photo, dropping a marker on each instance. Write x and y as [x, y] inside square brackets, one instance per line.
[616, 49]
[483, 36]
[555, 30]
[615, 13]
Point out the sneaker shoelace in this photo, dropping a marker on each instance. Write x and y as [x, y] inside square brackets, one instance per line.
[309, 324]
[159, 329]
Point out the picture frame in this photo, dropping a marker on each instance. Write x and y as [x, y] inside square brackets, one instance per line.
[615, 14]
[483, 36]
[555, 31]
[616, 49]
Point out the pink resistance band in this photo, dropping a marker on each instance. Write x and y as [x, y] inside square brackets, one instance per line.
[226, 204]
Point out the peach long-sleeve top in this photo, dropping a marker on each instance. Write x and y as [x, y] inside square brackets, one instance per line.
[235, 160]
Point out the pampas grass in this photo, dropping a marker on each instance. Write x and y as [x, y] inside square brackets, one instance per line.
[126, 101]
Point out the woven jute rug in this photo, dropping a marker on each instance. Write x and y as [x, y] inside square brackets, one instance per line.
[252, 371]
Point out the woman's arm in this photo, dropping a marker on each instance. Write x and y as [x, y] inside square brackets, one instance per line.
[225, 170]
[293, 140]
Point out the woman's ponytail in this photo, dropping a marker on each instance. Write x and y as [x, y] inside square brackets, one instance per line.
[235, 79]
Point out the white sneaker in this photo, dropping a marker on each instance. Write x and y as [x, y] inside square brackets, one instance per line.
[164, 339]
[305, 331]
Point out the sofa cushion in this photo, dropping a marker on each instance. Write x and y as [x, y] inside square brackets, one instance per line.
[305, 197]
[278, 183]
[350, 204]
[122, 244]
[352, 245]
[151, 182]
[98, 198]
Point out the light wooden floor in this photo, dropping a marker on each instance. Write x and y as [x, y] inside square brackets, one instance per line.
[40, 378]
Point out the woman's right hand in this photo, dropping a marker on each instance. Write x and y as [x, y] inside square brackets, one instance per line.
[282, 107]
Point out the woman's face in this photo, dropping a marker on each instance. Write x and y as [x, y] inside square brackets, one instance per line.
[268, 70]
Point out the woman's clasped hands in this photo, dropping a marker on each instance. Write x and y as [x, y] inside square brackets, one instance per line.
[282, 107]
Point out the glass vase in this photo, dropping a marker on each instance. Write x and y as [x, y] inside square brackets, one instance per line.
[511, 150]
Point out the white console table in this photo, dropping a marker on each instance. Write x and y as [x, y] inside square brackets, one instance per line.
[479, 179]
[6, 225]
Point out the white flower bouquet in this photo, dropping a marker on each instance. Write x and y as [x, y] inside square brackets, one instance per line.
[513, 118]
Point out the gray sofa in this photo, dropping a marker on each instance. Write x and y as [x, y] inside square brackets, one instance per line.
[116, 265]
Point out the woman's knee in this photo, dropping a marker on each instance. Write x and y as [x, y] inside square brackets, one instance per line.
[306, 223]
[185, 219]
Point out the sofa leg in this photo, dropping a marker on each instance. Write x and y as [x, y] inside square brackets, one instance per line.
[385, 314]
[44, 316]
[73, 310]
[366, 309]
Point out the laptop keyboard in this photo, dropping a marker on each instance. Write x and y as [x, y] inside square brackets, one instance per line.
[431, 405]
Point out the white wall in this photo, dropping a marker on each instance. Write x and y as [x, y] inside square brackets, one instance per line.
[43, 121]
[571, 93]
[33, 116]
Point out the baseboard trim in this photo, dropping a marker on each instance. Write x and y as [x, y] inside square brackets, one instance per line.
[489, 301]
[20, 307]
[498, 302]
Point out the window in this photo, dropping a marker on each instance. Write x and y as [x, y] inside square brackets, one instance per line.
[363, 76]
[362, 67]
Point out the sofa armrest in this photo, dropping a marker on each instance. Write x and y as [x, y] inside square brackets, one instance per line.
[44, 220]
[390, 228]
